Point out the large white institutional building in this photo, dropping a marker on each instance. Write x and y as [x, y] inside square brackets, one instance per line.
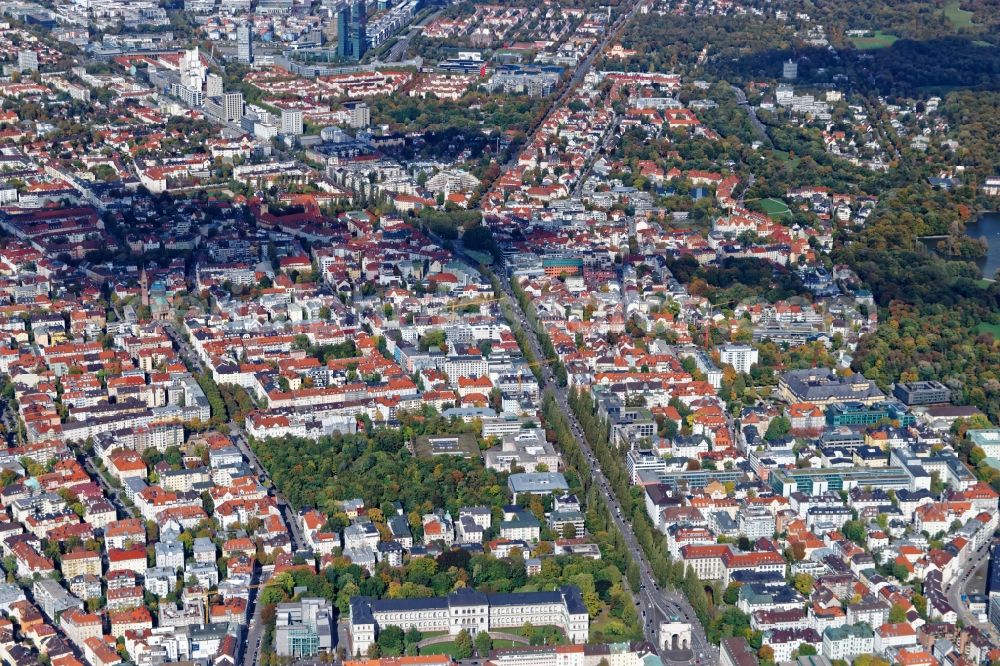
[472, 611]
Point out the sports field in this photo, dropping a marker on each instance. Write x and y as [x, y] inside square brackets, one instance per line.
[774, 207]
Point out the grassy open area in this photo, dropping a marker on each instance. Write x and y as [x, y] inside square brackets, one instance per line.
[774, 207]
[985, 327]
[959, 17]
[449, 647]
[440, 648]
[520, 631]
[786, 157]
[878, 40]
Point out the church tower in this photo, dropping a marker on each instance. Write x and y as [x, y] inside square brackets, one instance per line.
[144, 286]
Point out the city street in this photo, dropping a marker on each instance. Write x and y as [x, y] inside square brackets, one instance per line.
[112, 493]
[758, 126]
[957, 589]
[240, 441]
[188, 354]
[658, 605]
[398, 50]
[582, 68]
[255, 633]
[238, 437]
[655, 605]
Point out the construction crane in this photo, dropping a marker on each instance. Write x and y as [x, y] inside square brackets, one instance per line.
[535, 364]
[475, 301]
[709, 324]
[464, 304]
[208, 594]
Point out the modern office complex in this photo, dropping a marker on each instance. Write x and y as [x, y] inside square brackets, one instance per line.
[526, 449]
[860, 414]
[352, 27]
[922, 393]
[227, 106]
[303, 628]
[818, 481]
[472, 611]
[698, 478]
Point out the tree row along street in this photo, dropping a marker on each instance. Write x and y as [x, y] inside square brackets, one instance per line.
[656, 601]
[658, 604]
[252, 652]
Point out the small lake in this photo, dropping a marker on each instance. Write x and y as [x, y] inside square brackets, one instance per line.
[987, 226]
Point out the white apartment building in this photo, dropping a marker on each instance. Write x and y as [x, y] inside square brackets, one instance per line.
[756, 522]
[741, 357]
[848, 642]
[79, 626]
[291, 121]
[465, 365]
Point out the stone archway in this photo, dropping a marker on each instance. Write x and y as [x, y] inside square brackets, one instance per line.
[675, 637]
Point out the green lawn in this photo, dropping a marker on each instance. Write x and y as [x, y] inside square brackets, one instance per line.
[985, 327]
[440, 648]
[774, 207]
[959, 17]
[879, 40]
[519, 631]
[783, 156]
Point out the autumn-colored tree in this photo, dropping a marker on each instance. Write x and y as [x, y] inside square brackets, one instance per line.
[897, 614]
